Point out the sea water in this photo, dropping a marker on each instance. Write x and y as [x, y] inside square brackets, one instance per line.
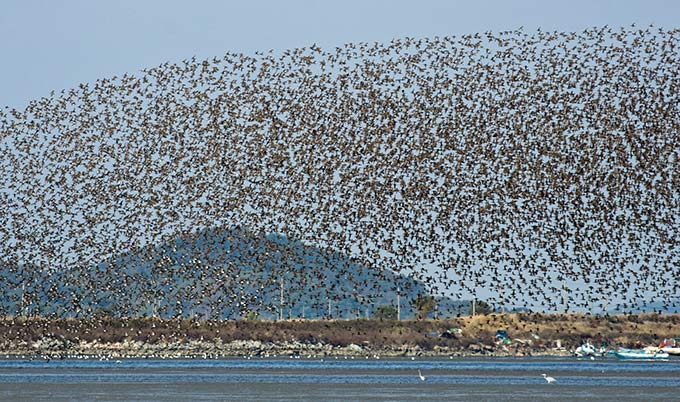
[339, 379]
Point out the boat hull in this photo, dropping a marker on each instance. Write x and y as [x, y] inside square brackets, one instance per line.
[671, 350]
[632, 354]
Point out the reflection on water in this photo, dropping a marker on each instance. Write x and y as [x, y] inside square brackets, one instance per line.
[341, 379]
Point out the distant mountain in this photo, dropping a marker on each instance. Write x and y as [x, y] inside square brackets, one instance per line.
[217, 273]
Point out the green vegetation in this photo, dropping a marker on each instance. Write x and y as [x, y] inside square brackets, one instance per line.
[252, 316]
[386, 312]
[424, 305]
[481, 307]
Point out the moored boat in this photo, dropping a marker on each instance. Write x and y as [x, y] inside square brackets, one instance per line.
[639, 354]
[671, 350]
[670, 346]
[588, 349]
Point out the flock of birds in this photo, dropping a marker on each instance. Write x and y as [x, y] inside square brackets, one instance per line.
[536, 169]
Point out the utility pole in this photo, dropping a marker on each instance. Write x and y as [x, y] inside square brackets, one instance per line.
[398, 304]
[474, 305]
[240, 302]
[21, 309]
[281, 303]
[329, 307]
[605, 307]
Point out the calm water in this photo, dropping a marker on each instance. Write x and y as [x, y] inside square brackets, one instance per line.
[343, 379]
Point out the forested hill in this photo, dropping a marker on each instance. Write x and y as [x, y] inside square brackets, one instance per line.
[215, 273]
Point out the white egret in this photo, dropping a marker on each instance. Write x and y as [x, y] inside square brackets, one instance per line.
[548, 378]
[422, 377]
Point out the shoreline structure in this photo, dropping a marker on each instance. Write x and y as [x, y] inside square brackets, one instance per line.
[530, 334]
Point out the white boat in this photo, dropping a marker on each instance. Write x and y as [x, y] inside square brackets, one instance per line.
[671, 350]
[639, 354]
[670, 346]
[588, 349]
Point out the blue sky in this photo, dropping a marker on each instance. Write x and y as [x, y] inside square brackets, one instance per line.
[50, 45]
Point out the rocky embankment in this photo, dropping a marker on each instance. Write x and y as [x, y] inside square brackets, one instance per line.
[56, 348]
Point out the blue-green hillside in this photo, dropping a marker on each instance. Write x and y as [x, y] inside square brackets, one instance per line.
[216, 274]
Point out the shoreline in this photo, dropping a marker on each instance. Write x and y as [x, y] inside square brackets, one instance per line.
[529, 334]
[51, 349]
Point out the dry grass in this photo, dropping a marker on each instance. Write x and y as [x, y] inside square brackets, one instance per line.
[571, 329]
